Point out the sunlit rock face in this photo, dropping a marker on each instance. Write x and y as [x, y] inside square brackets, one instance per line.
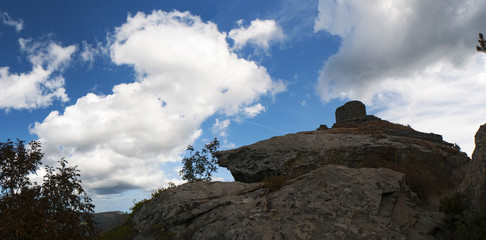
[433, 166]
[330, 202]
[364, 178]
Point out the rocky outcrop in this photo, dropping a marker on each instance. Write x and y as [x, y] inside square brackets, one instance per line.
[364, 178]
[331, 202]
[432, 137]
[354, 144]
[322, 127]
[353, 111]
[474, 184]
[350, 111]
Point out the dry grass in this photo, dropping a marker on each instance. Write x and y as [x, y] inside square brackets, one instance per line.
[378, 135]
[274, 182]
[370, 127]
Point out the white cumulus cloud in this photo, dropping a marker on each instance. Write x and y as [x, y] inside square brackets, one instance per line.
[260, 33]
[43, 84]
[185, 73]
[412, 61]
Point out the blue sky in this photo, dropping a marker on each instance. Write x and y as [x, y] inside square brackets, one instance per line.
[120, 88]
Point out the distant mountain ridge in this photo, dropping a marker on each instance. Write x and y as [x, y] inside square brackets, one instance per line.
[109, 220]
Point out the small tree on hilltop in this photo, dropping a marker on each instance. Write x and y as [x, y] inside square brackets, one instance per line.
[482, 44]
[57, 209]
[200, 165]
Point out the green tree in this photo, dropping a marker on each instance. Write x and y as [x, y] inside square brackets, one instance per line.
[200, 165]
[482, 44]
[57, 209]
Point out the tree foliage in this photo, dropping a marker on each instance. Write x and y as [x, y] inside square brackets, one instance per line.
[57, 209]
[453, 208]
[482, 44]
[463, 221]
[472, 225]
[200, 165]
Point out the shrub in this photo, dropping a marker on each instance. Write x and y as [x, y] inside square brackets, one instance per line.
[159, 191]
[136, 206]
[453, 208]
[464, 224]
[472, 225]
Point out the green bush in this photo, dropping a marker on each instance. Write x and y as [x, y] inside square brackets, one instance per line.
[464, 223]
[453, 207]
[472, 225]
[137, 205]
[159, 191]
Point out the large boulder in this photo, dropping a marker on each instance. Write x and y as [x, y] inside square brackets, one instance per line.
[331, 202]
[350, 111]
[474, 184]
[433, 166]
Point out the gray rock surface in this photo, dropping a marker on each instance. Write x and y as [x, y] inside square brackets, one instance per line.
[474, 184]
[331, 202]
[352, 110]
[330, 191]
[354, 144]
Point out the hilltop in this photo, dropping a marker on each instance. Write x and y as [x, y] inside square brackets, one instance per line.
[363, 178]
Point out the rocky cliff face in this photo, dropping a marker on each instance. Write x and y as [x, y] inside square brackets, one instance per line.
[364, 178]
[331, 202]
[474, 184]
[433, 167]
